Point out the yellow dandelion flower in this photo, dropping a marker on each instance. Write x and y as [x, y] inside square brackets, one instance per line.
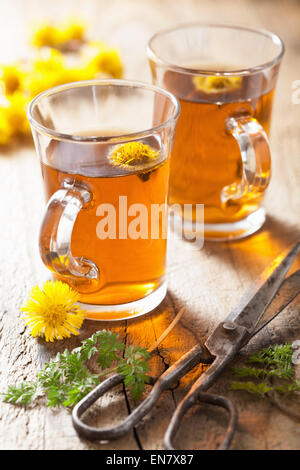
[52, 312]
[38, 81]
[217, 83]
[47, 71]
[48, 59]
[75, 74]
[133, 154]
[13, 114]
[109, 62]
[5, 129]
[45, 34]
[103, 59]
[72, 30]
[51, 68]
[12, 78]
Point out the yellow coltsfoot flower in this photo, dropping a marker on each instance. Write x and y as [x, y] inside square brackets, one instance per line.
[133, 154]
[103, 59]
[52, 65]
[45, 34]
[52, 312]
[72, 30]
[57, 35]
[5, 130]
[217, 83]
[47, 70]
[109, 63]
[12, 78]
[48, 59]
[13, 115]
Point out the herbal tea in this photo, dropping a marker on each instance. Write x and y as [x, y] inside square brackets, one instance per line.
[130, 266]
[104, 147]
[205, 157]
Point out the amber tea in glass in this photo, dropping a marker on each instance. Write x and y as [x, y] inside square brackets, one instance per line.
[221, 154]
[100, 178]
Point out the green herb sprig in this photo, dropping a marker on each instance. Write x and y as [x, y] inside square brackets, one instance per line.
[66, 379]
[274, 374]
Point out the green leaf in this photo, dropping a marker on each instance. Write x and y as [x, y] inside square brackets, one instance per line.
[247, 372]
[276, 368]
[55, 395]
[22, 394]
[258, 389]
[80, 389]
[133, 368]
[109, 347]
[279, 355]
[66, 379]
[288, 388]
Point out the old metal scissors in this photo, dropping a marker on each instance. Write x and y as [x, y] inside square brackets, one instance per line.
[265, 299]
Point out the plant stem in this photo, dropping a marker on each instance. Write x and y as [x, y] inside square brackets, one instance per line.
[155, 345]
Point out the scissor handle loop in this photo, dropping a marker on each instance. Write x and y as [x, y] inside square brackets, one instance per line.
[92, 433]
[204, 397]
[164, 382]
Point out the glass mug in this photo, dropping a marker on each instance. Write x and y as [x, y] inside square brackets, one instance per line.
[224, 77]
[81, 130]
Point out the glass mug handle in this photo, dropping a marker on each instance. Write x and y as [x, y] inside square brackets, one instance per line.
[56, 233]
[256, 158]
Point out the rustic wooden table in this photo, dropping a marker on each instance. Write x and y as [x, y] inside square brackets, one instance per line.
[206, 282]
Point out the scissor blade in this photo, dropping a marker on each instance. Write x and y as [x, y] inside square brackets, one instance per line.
[255, 301]
[288, 291]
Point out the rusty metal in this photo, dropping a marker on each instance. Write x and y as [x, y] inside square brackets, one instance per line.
[265, 299]
[189, 360]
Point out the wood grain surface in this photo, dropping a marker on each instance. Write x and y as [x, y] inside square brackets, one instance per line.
[207, 281]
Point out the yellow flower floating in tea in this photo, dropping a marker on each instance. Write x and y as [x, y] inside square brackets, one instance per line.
[217, 83]
[52, 65]
[52, 312]
[133, 154]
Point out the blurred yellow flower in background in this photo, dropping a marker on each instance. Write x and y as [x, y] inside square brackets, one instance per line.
[101, 58]
[5, 130]
[13, 120]
[11, 78]
[48, 59]
[46, 71]
[108, 61]
[63, 55]
[72, 30]
[46, 34]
